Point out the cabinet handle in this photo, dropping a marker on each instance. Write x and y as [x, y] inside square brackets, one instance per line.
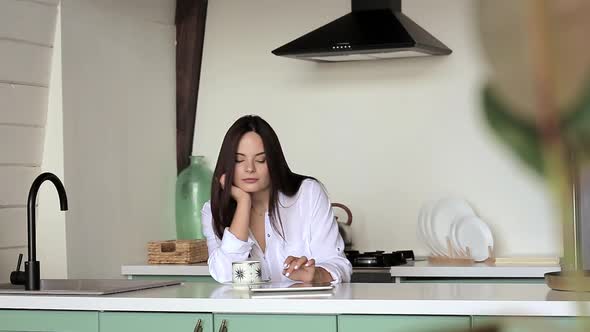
[223, 327]
[199, 326]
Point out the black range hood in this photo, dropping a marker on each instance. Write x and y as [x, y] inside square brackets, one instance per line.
[375, 29]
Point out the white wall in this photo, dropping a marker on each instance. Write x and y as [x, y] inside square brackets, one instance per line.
[119, 131]
[26, 46]
[384, 136]
[51, 228]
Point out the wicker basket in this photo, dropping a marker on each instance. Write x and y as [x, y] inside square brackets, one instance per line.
[177, 252]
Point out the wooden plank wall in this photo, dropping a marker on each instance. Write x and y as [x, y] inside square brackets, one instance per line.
[27, 30]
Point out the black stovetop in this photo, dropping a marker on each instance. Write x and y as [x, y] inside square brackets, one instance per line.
[378, 258]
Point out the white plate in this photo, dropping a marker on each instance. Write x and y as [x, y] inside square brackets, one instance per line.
[444, 213]
[453, 237]
[472, 232]
[423, 227]
[420, 225]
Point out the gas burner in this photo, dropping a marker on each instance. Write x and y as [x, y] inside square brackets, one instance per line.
[378, 258]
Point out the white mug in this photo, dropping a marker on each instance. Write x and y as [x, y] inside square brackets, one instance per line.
[246, 272]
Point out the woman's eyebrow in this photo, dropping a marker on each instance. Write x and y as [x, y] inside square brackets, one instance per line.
[258, 154]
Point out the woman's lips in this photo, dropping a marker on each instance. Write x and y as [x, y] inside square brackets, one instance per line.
[250, 180]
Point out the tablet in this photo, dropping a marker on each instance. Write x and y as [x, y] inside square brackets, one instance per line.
[290, 287]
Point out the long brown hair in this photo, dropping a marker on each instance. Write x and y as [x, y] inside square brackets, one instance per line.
[282, 179]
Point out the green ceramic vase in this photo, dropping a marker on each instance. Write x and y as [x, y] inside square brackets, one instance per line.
[193, 189]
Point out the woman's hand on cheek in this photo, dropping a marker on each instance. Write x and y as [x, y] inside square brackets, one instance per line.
[238, 194]
[299, 268]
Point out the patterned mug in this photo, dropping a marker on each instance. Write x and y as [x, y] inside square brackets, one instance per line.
[246, 272]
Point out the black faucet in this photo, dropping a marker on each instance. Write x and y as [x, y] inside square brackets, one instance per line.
[31, 277]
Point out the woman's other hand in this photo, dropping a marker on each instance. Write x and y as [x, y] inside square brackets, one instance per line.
[302, 269]
[238, 194]
[299, 268]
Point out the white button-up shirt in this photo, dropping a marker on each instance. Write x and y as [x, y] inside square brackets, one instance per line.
[309, 230]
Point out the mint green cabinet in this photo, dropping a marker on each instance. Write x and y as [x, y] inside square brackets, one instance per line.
[155, 322]
[274, 323]
[45, 321]
[533, 324]
[82, 321]
[388, 323]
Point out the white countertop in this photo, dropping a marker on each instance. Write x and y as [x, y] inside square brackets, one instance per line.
[412, 269]
[392, 299]
[198, 269]
[478, 270]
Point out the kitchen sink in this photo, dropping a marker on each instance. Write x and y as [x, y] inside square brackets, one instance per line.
[85, 286]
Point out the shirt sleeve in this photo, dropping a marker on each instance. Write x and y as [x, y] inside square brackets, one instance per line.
[222, 253]
[326, 244]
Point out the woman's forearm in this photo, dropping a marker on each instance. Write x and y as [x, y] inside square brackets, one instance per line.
[240, 224]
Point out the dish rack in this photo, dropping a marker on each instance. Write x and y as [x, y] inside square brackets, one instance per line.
[455, 256]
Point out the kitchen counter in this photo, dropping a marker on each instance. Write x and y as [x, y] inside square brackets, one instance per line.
[412, 269]
[387, 299]
[198, 269]
[479, 270]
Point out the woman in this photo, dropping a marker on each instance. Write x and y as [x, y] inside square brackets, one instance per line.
[260, 210]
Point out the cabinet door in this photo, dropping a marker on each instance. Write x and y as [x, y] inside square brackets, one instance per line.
[533, 324]
[155, 322]
[274, 323]
[387, 323]
[45, 321]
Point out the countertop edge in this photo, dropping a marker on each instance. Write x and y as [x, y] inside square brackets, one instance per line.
[473, 272]
[303, 306]
[201, 269]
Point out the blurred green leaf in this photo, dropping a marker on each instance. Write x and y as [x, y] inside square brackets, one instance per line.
[576, 123]
[520, 136]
